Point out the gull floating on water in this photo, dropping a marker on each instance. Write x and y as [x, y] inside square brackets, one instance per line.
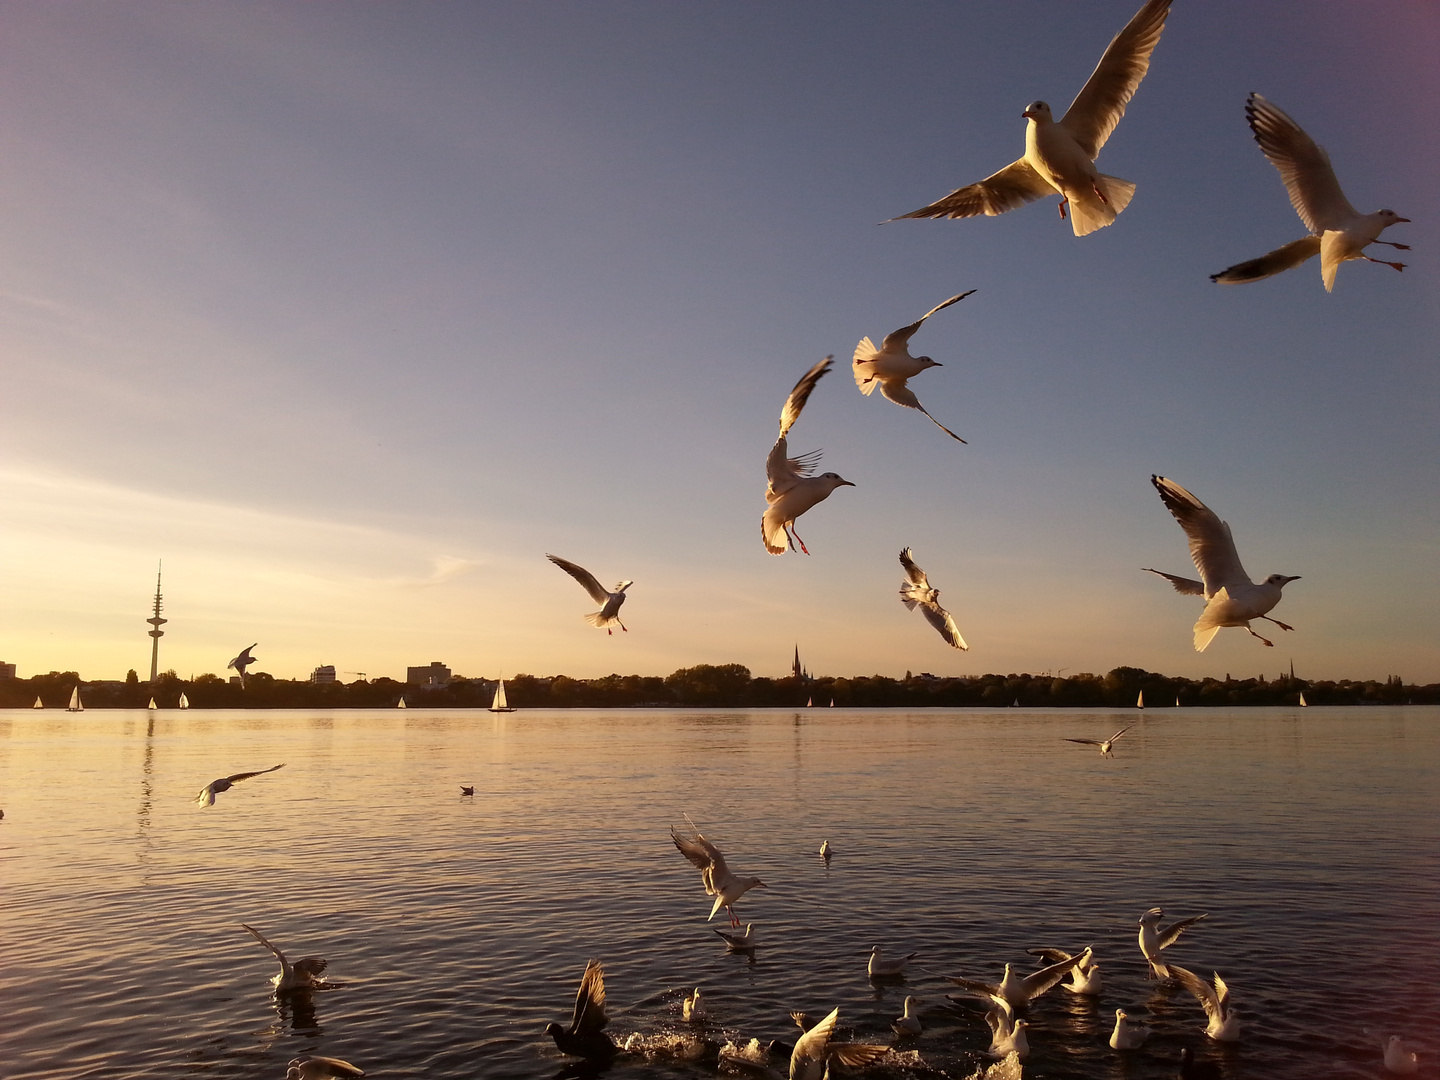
[739, 942]
[1007, 1035]
[1105, 745]
[1128, 1034]
[1060, 157]
[881, 966]
[609, 602]
[791, 490]
[304, 974]
[1223, 1025]
[586, 1036]
[1231, 598]
[320, 1068]
[1399, 1058]
[243, 661]
[1154, 940]
[1339, 232]
[1084, 976]
[814, 1051]
[727, 888]
[1019, 991]
[916, 592]
[692, 1008]
[225, 783]
[826, 850]
[891, 366]
[908, 1023]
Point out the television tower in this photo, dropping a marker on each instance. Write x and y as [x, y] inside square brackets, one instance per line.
[156, 634]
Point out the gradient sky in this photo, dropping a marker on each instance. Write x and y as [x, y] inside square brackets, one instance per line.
[351, 312]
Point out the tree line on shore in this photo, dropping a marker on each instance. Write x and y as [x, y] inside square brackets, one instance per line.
[720, 686]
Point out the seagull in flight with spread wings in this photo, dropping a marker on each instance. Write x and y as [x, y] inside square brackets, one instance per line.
[225, 783]
[1154, 940]
[791, 489]
[814, 1051]
[726, 887]
[609, 613]
[1338, 231]
[1060, 156]
[891, 366]
[917, 592]
[243, 661]
[1232, 599]
[586, 1038]
[1222, 1023]
[1105, 745]
[1019, 991]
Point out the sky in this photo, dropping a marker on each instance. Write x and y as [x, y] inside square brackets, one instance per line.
[350, 313]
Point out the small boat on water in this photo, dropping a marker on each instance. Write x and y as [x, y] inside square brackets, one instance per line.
[832, 703]
[1140, 701]
[1177, 701]
[75, 705]
[402, 704]
[184, 701]
[499, 704]
[152, 706]
[38, 703]
[1302, 698]
[809, 703]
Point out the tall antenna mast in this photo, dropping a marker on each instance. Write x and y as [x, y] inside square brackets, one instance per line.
[156, 633]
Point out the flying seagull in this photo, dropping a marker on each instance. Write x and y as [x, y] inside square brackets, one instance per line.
[225, 783]
[791, 489]
[727, 888]
[917, 592]
[891, 366]
[243, 661]
[1105, 745]
[609, 601]
[320, 1068]
[1019, 991]
[1232, 599]
[1060, 157]
[814, 1051]
[586, 1038]
[1338, 231]
[1222, 1025]
[304, 974]
[1154, 940]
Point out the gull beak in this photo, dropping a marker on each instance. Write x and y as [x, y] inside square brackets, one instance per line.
[847, 483]
[1290, 579]
[1404, 219]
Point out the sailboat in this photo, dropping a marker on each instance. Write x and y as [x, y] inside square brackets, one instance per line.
[809, 703]
[832, 703]
[500, 704]
[402, 704]
[38, 703]
[75, 705]
[1140, 701]
[1302, 698]
[184, 701]
[152, 706]
[1177, 701]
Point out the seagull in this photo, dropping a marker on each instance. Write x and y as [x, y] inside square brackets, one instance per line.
[304, 974]
[1232, 599]
[909, 1022]
[1060, 157]
[692, 1008]
[825, 850]
[720, 883]
[814, 1051]
[1398, 1057]
[1224, 1025]
[882, 967]
[1154, 941]
[891, 365]
[320, 1068]
[1007, 1035]
[1128, 1034]
[1105, 745]
[243, 661]
[609, 601]
[1084, 977]
[466, 790]
[1020, 991]
[739, 942]
[792, 490]
[1339, 232]
[917, 592]
[586, 1037]
[225, 783]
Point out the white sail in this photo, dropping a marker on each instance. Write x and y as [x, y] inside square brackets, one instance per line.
[809, 703]
[1302, 699]
[152, 704]
[1140, 701]
[184, 701]
[75, 705]
[402, 704]
[1177, 701]
[38, 704]
[499, 704]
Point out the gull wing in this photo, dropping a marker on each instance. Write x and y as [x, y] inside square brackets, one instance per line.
[896, 390]
[334, 1066]
[1009, 189]
[1167, 937]
[1037, 982]
[1185, 585]
[1304, 167]
[703, 854]
[899, 339]
[1269, 264]
[237, 777]
[783, 471]
[810, 1047]
[590, 1001]
[584, 577]
[1087, 742]
[944, 622]
[243, 659]
[1054, 956]
[265, 941]
[913, 572]
[801, 394]
[1098, 107]
[1211, 545]
[984, 990]
[1202, 990]
[1118, 734]
[856, 1054]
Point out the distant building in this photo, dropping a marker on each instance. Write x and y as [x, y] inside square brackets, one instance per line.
[325, 673]
[796, 671]
[7, 671]
[437, 674]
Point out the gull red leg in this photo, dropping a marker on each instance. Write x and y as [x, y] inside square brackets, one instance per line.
[1277, 622]
[1266, 640]
[1382, 262]
[1061, 207]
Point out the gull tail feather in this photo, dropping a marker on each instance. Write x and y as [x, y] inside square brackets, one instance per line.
[1204, 635]
[1088, 213]
[597, 618]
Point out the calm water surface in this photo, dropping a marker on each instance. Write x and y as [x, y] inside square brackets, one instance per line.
[458, 927]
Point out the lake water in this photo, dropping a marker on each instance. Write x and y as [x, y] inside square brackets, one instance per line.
[458, 927]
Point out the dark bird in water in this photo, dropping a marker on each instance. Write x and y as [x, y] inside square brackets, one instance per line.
[225, 783]
[586, 1036]
[467, 790]
[303, 974]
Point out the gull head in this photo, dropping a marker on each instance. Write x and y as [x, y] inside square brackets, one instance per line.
[926, 362]
[1038, 110]
[1155, 913]
[1391, 218]
[1281, 580]
[836, 480]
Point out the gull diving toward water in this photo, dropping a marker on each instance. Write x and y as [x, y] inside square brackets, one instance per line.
[1084, 976]
[609, 602]
[586, 1038]
[1105, 745]
[882, 966]
[814, 1051]
[917, 592]
[1223, 1025]
[304, 974]
[727, 888]
[225, 783]
[320, 1068]
[1231, 598]
[1019, 991]
[1154, 940]
[241, 662]
[1339, 232]
[791, 489]
[891, 366]
[1060, 157]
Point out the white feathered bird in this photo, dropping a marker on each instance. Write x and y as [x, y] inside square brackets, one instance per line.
[609, 613]
[726, 887]
[790, 489]
[916, 592]
[891, 366]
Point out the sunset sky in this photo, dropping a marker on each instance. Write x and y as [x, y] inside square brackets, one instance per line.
[352, 312]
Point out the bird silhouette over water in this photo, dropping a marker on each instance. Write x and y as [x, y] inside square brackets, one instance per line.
[609, 613]
[225, 783]
[585, 1037]
[243, 661]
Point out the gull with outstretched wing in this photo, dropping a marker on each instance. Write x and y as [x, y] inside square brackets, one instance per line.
[609, 613]
[916, 592]
[790, 489]
[891, 366]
